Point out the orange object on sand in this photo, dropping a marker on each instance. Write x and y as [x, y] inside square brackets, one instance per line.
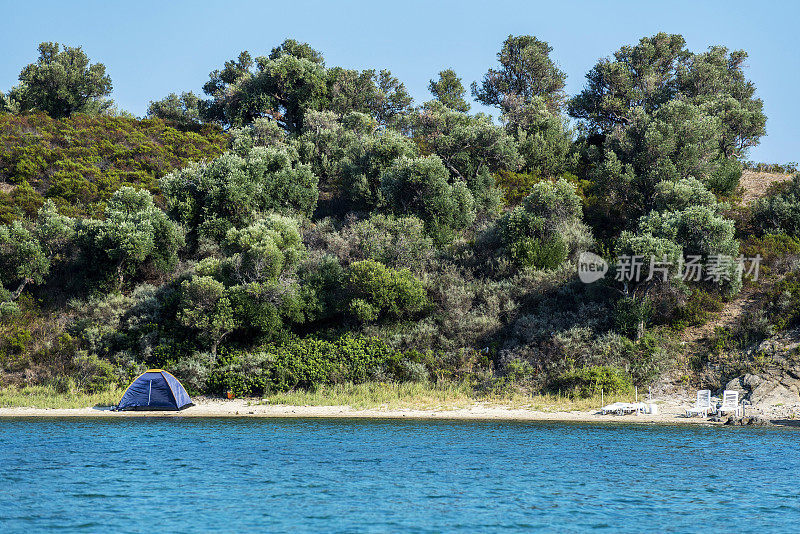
[230, 394]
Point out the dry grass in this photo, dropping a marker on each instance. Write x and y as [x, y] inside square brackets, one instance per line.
[372, 395]
[423, 396]
[48, 397]
[755, 184]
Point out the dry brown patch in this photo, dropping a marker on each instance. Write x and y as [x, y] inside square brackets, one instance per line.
[756, 184]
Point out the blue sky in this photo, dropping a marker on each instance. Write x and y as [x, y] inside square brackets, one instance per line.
[153, 48]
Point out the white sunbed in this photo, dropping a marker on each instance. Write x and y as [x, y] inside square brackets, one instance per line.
[621, 408]
[730, 402]
[702, 405]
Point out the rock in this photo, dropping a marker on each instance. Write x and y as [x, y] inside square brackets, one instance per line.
[759, 421]
[765, 389]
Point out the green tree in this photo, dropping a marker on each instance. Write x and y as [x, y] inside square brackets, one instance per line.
[657, 112]
[183, 110]
[379, 94]
[449, 91]
[546, 228]
[526, 70]
[282, 86]
[206, 308]
[62, 82]
[28, 249]
[134, 233]
[544, 139]
[464, 143]
[420, 186]
[780, 212]
[641, 77]
[233, 191]
[263, 251]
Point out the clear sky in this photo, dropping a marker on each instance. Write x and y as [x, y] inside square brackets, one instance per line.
[154, 48]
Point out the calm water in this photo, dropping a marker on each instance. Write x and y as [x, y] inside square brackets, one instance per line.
[159, 475]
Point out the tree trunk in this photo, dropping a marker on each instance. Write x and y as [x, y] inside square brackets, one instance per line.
[640, 330]
[15, 295]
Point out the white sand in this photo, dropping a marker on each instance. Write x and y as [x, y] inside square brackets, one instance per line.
[670, 412]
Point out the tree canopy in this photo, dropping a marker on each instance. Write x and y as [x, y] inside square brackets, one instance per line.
[60, 83]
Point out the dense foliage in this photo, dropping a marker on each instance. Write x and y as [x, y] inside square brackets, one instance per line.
[337, 233]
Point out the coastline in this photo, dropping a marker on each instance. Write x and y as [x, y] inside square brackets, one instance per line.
[669, 413]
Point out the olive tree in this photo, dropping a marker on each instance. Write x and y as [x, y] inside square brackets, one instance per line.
[62, 82]
[28, 250]
[421, 187]
[234, 190]
[182, 110]
[134, 233]
[449, 90]
[526, 70]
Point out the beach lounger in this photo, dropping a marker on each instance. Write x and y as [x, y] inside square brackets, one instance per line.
[730, 402]
[621, 408]
[702, 405]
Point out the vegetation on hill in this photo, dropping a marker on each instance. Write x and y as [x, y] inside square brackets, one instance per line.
[337, 233]
[80, 161]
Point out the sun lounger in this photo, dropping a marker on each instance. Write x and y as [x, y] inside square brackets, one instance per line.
[621, 408]
[702, 405]
[730, 402]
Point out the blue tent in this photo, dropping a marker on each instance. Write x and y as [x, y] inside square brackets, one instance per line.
[155, 390]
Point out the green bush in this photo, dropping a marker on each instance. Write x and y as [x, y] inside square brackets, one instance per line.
[378, 290]
[632, 315]
[698, 310]
[539, 253]
[546, 228]
[234, 191]
[784, 302]
[780, 212]
[588, 381]
[776, 250]
[421, 187]
[305, 363]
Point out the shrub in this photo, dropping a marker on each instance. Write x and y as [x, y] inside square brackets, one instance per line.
[516, 185]
[698, 310]
[304, 363]
[421, 187]
[784, 302]
[780, 212]
[394, 241]
[631, 316]
[588, 381]
[539, 253]
[134, 233]
[777, 251]
[378, 290]
[535, 233]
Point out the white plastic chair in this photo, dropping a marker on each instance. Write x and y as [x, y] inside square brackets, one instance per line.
[702, 405]
[730, 402]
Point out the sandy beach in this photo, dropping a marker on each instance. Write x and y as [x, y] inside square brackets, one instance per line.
[669, 412]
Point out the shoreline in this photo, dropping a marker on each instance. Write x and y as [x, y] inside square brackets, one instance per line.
[240, 408]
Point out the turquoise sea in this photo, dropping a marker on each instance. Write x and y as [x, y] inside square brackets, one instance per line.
[281, 475]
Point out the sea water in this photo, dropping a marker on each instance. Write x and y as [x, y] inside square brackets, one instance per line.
[343, 475]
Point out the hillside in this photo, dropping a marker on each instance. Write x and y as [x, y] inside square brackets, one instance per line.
[80, 161]
[305, 226]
